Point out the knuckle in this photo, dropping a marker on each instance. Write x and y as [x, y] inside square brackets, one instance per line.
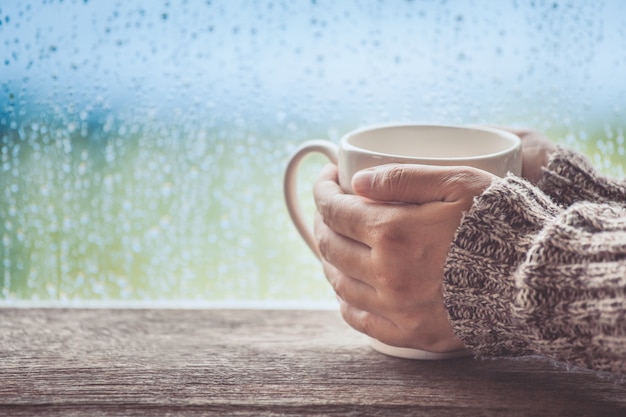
[454, 177]
[386, 235]
[321, 235]
[332, 211]
[388, 229]
[324, 201]
[366, 323]
[322, 245]
[324, 208]
[339, 287]
[461, 181]
[361, 321]
[332, 276]
[347, 313]
[394, 179]
[462, 176]
[390, 280]
[392, 284]
[471, 182]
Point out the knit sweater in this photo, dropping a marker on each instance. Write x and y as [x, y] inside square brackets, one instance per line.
[542, 270]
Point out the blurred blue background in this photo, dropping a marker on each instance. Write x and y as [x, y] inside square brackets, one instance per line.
[142, 143]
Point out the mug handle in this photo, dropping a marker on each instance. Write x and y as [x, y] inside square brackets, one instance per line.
[327, 149]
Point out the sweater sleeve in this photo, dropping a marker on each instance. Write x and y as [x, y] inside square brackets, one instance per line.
[525, 276]
[569, 178]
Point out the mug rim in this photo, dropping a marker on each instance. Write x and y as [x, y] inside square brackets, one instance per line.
[347, 145]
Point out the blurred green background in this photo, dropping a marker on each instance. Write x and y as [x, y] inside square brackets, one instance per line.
[142, 145]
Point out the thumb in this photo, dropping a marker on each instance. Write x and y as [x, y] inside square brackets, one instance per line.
[418, 184]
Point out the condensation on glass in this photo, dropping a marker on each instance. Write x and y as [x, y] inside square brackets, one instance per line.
[142, 143]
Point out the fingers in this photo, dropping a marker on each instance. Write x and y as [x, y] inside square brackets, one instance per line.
[385, 226]
[372, 324]
[343, 213]
[346, 254]
[348, 268]
[420, 184]
[382, 260]
[436, 335]
[362, 220]
[351, 290]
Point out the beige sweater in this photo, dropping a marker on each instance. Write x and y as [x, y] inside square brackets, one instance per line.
[542, 270]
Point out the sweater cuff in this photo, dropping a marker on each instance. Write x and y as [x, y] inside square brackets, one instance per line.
[492, 241]
[569, 178]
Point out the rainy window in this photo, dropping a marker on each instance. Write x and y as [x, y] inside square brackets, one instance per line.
[142, 143]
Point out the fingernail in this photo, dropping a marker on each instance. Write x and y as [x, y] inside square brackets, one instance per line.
[362, 181]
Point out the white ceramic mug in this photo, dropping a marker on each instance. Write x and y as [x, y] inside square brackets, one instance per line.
[493, 150]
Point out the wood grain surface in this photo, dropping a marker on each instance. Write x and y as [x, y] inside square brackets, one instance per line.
[101, 362]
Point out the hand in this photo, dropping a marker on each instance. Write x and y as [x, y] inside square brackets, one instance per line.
[384, 250]
[536, 152]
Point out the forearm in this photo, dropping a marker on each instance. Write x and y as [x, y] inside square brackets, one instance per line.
[524, 276]
[570, 178]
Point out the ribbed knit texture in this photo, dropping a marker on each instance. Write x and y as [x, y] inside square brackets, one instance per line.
[543, 270]
[571, 178]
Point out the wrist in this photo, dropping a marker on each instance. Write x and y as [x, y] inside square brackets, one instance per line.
[491, 243]
[569, 177]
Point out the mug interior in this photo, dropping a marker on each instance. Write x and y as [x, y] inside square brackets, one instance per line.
[432, 141]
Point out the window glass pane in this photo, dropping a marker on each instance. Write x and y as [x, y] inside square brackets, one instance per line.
[142, 143]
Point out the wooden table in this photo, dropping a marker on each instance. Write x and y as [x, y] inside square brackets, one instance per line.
[98, 362]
